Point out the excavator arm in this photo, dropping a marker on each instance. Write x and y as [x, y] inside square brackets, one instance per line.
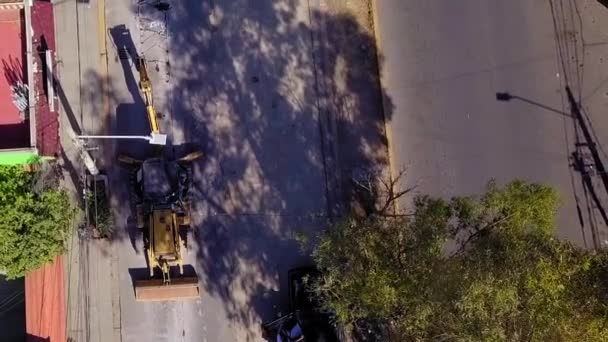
[146, 89]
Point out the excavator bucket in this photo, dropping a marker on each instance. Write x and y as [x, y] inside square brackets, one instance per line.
[181, 288]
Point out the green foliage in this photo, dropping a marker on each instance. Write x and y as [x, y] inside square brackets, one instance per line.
[98, 210]
[468, 269]
[34, 225]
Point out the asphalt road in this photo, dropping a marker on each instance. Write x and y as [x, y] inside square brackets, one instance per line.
[267, 90]
[241, 80]
[444, 61]
[237, 80]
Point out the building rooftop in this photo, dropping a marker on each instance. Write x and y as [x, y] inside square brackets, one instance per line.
[14, 128]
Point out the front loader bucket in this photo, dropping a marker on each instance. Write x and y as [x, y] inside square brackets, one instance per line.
[156, 290]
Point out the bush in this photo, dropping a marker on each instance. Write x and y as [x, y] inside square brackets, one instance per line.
[34, 225]
[98, 210]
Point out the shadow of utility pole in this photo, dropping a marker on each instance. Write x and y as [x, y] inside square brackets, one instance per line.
[590, 144]
[579, 159]
[508, 97]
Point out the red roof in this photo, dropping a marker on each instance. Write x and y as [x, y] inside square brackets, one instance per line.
[14, 132]
[11, 57]
[45, 316]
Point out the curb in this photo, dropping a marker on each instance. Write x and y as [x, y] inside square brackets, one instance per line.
[387, 126]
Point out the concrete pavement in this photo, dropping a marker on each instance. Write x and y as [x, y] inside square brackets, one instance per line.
[93, 302]
[443, 63]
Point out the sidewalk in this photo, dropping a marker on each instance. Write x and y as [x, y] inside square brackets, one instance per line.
[350, 87]
[89, 271]
[92, 297]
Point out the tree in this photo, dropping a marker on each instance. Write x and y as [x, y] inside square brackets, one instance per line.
[468, 269]
[35, 220]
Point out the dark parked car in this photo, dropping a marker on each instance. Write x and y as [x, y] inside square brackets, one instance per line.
[305, 322]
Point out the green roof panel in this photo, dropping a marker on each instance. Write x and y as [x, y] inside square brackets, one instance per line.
[18, 157]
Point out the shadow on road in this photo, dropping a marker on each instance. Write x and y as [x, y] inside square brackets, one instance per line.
[587, 161]
[285, 103]
[585, 158]
[131, 118]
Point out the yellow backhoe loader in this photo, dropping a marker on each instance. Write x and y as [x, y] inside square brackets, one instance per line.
[160, 190]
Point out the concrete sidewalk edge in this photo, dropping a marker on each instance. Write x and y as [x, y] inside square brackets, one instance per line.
[387, 126]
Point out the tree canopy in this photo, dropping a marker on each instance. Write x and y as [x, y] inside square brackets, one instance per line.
[484, 268]
[34, 221]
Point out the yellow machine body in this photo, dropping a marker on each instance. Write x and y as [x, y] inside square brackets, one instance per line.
[164, 252]
[146, 90]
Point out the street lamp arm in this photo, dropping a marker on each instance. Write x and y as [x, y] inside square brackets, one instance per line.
[154, 138]
[138, 137]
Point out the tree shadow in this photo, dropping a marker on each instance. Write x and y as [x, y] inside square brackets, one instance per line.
[285, 101]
